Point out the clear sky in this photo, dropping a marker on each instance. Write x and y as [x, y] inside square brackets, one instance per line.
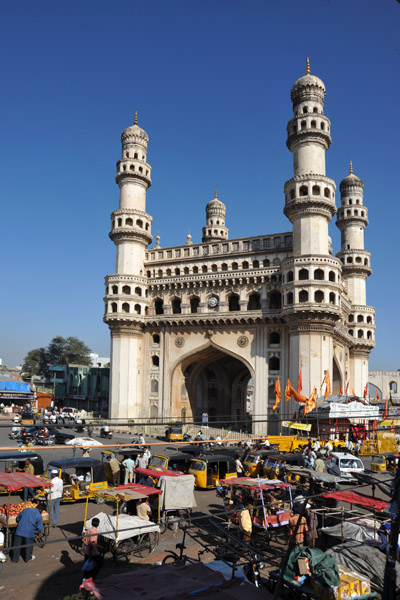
[211, 81]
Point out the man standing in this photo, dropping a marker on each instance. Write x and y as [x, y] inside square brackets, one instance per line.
[115, 469]
[54, 497]
[28, 468]
[129, 465]
[245, 522]
[91, 550]
[141, 461]
[319, 465]
[357, 448]
[312, 524]
[239, 467]
[303, 528]
[30, 523]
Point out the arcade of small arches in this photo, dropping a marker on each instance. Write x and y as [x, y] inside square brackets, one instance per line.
[232, 301]
[304, 275]
[214, 268]
[303, 296]
[128, 222]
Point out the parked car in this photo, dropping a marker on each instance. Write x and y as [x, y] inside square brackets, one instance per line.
[59, 436]
[346, 464]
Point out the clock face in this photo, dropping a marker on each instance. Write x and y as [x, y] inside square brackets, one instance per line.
[213, 302]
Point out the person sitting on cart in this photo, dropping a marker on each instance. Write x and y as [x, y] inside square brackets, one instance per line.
[143, 509]
[246, 522]
[30, 524]
[93, 558]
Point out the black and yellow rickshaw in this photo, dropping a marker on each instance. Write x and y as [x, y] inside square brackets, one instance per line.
[253, 462]
[172, 460]
[15, 461]
[82, 477]
[174, 432]
[209, 469]
[275, 462]
[386, 461]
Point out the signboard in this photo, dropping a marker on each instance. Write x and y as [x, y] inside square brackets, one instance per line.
[293, 425]
[353, 410]
[5, 394]
[43, 390]
[389, 422]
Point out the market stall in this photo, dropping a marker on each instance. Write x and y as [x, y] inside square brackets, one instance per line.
[14, 482]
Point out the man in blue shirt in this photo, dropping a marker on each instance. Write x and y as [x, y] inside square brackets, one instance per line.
[30, 523]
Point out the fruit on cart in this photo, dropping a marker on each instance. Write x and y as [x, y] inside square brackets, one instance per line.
[11, 510]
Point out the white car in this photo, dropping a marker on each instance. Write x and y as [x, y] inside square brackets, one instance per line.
[347, 464]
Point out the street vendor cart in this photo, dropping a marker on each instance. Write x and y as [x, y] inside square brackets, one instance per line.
[14, 482]
[121, 534]
[177, 498]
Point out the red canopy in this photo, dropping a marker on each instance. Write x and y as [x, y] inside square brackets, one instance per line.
[16, 481]
[158, 472]
[137, 487]
[359, 499]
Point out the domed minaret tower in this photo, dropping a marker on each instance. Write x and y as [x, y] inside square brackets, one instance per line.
[215, 230]
[126, 299]
[352, 219]
[311, 292]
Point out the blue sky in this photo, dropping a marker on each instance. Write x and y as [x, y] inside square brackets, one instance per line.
[211, 81]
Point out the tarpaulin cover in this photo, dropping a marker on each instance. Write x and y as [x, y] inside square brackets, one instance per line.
[353, 531]
[128, 527]
[16, 481]
[366, 560]
[14, 386]
[157, 472]
[359, 499]
[172, 582]
[323, 566]
[178, 492]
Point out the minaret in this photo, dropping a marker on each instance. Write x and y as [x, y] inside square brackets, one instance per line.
[215, 230]
[311, 276]
[352, 219]
[126, 298]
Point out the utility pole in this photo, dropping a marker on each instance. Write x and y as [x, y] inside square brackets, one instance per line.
[389, 586]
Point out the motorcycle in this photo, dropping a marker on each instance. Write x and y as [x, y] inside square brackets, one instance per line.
[43, 440]
[187, 437]
[80, 425]
[252, 571]
[105, 434]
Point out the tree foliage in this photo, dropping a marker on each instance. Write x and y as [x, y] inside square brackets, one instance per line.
[60, 351]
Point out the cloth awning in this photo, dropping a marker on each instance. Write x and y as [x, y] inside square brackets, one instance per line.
[16, 481]
[157, 472]
[253, 484]
[359, 499]
[145, 490]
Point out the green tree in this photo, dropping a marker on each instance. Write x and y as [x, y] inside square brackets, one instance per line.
[60, 351]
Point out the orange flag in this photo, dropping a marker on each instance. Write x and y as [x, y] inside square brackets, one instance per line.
[278, 394]
[385, 410]
[328, 385]
[288, 392]
[298, 397]
[353, 392]
[311, 403]
[366, 391]
[377, 395]
[300, 384]
[347, 386]
[392, 426]
[341, 391]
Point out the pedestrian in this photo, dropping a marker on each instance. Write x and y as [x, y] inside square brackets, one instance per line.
[93, 559]
[54, 497]
[245, 521]
[147, 453]
[141, 461]
[30, 524]
[115, 469]
[319, 465]
[312, 524]
[316, 446]
[328, 447]
[141, 439]
[90, 430]
[302, 529]
[28, 468]
[129, 465]
[239, 467]
[143, 509]
[357, 447]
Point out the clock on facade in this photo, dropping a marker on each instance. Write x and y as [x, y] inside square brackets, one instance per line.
[213, 302]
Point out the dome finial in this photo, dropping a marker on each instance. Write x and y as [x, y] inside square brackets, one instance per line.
[215, 194]
[351, 168]
[158, 239]
[135, 119]
[308, 67]
[188, 239]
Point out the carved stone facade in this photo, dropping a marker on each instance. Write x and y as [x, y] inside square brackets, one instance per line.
[192, 325]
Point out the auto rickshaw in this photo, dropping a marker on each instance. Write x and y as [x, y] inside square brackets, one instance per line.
[253, 461]
[387, 461]
[209, 469]
[172, 460]
[275, 462]
[174, 432]
[82, 477]
[13, 461]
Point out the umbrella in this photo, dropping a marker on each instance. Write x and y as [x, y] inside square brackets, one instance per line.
[83, 441]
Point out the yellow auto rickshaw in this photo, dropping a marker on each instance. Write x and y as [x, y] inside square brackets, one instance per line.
[208, 470]
[387, 461]
[253, 461]
[174, 432]
[172, 460]
[82, 477]
[276, 462]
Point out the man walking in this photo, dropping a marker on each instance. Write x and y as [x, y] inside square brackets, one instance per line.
[115, 469]
[30, 523]
[129, 465]
[54, 497]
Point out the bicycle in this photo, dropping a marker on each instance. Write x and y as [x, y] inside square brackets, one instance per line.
[173, 558]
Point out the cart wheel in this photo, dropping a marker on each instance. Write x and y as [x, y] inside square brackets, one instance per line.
[147, 542]
[123, 550]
